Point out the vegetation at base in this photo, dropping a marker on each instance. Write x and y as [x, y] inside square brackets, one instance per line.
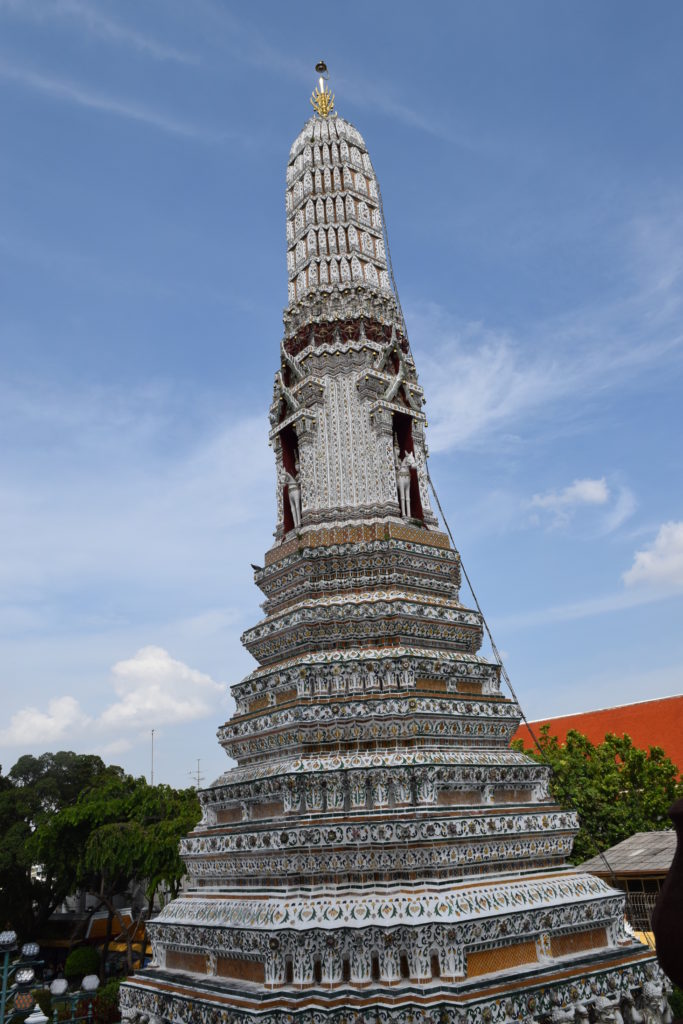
[80, 962]
[106, 1003]
[35, 789]
[676, 1002]
[90, 827]
[43, 998]
[617, 788]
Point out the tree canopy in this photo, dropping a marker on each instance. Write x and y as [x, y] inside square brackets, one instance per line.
[617, 789]
[88, 826]
[34, 790]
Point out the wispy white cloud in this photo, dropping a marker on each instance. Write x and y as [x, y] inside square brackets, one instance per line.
[574, 610]
[66, 91]
[476, 380]
[562, 504]
[249, 45]
[368, 93]
[93, 494]
[95, 22]
[559, 507]
[580, 492]
[484, 384]
[656, 574]
[623, 508]
[660, 565]
[656, 260]
[114, 31]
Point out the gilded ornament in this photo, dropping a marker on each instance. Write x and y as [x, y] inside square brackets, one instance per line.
[322, 99]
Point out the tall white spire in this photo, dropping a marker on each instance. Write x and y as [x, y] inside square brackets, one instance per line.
[335, 234]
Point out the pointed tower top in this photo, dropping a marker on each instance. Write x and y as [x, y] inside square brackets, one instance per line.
[321, 98]
[335, 232]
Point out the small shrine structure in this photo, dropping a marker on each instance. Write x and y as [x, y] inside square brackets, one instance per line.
[378, 853]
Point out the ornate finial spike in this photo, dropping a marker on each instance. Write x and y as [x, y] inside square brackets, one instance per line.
[322, 99]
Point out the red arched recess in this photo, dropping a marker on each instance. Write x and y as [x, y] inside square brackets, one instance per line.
[290, 457]
[403, 432]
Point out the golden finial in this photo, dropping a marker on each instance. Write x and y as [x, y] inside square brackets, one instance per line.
[322, 99]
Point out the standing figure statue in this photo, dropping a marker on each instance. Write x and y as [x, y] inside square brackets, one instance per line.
[403, 467]
[293, 492]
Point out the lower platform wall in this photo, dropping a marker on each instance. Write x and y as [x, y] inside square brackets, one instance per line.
[393, 967]
[632, 987]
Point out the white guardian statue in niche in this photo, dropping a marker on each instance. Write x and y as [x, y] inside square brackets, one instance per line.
[403, 467]
[294, 492]
[293, 485]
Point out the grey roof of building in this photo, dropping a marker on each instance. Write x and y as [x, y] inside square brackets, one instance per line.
[645, 853]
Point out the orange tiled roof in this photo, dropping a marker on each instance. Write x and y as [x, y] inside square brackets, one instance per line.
[649, 723]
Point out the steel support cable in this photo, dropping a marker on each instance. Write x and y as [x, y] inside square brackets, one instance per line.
[501, 666]
[390, 266]
[494, 648]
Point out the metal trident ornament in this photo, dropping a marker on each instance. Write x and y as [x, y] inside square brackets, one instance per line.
[322, 99]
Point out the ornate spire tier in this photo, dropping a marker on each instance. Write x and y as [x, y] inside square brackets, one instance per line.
[378, 853]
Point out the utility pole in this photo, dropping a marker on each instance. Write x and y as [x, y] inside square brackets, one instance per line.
[151, 774]
[196, 774]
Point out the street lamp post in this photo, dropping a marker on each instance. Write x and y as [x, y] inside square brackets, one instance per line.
[8, 943]
[59, 992]
[21, 972]
[18, 977]
[37, 1017]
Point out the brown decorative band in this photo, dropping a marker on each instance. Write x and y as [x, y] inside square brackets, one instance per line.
[242, 970]
[195, 963]
[488, 961]
[327, 537]
[563, 945]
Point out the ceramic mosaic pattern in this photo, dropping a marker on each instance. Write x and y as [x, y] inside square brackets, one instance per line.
[341, 398]
[377, 853]
[334, 226]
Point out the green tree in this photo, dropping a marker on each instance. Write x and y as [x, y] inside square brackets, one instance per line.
[106, 1003]
[81, 961]
[57, 780]
[68, 822]
[34, 790]
[616, 788]
[120, 834]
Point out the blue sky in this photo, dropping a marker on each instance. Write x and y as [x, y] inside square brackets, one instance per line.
[529, 156]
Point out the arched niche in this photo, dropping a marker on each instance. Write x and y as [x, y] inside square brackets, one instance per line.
[402, 425]
[289, 446]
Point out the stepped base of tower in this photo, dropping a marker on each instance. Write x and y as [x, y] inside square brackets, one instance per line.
[509, 997]
[510, 948]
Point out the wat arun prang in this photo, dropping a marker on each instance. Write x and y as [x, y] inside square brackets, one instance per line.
[378, 854]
